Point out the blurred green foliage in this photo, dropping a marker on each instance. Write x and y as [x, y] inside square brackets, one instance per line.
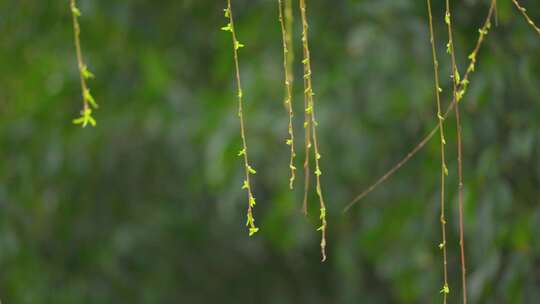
[147, 206]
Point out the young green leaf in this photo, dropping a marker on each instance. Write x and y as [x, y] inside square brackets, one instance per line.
[253, 230]
[238, 45]
[90, 99]
[251, 170]
[85, 119]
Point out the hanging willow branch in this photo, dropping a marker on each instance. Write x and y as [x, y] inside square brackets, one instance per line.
[289, 22]
[307, 130]
[524, 13]
[444, 171]
[455, 83]
[287, 71]
[462, 88]
[312, 122]
[250, 223]
[89, 102]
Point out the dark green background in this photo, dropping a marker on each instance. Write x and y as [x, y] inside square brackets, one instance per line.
[147, 206]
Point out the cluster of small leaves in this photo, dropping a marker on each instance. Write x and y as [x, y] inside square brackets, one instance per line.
[89, 102]
[229, 27]
[85, 118]
[445, 290]
[464, 83]
[310, 124]
[287, 70]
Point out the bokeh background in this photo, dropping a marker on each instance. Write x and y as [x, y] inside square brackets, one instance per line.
[147, 206]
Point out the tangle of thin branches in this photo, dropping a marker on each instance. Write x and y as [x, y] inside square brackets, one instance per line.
[462, 88]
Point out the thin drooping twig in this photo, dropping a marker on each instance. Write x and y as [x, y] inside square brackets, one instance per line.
[461, 90]
[287, 70]
[310, 111]
[460, 199]
[307, 141]
[524, 13]
[307, 130]
[84, 74]
[289, 22]
[75, 13]
[244, 152]
[455, 83]
[444, 171]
